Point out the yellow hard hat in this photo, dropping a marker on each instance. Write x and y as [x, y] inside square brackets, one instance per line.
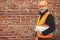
[43, 3]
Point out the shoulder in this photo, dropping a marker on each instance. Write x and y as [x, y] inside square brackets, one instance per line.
[50, 15]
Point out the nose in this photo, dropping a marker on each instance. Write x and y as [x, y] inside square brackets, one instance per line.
[41, 8]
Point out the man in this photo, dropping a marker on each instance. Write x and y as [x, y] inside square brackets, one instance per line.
[45, 24]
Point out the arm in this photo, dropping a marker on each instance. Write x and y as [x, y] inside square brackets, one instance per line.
[49, 21]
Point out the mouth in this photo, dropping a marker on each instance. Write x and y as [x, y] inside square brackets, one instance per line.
[41, 9]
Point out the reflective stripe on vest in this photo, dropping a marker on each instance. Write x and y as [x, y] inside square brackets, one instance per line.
[42, 22]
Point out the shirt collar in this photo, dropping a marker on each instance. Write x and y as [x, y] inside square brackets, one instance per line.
[42, 13]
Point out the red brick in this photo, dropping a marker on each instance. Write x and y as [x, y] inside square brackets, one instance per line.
[3, 38]
[57, 26]
[3, 0]
[1, 8]
[13, 6]
[3, 26]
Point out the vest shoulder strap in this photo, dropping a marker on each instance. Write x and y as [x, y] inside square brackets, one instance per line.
[43, 19]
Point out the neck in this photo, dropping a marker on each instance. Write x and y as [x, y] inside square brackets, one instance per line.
[42, 13]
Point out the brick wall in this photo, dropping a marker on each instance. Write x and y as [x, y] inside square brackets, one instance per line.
[18, 19]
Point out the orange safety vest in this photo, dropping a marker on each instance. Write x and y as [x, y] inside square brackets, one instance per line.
[41, 22]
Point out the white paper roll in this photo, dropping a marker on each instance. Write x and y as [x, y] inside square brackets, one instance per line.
[41, 28]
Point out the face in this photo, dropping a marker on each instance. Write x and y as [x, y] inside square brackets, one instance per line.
[43, 8]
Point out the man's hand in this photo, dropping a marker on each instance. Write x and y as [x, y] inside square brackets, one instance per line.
[39, 32]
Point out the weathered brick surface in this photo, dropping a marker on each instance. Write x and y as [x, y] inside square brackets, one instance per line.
[18, 19]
